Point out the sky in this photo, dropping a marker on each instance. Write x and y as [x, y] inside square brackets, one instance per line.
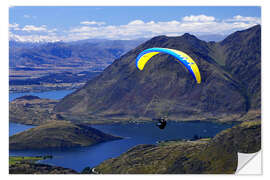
[72, 23]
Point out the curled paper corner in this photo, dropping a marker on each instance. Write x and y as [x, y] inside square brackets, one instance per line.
[249, 163]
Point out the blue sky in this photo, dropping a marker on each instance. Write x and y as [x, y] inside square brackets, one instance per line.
[53, 23]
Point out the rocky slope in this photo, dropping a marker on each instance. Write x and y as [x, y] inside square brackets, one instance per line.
[230, 85]
[58, 134]
[243, 61]
[204, 156]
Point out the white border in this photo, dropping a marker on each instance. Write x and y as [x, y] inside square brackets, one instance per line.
[136, 2]
[252, 164]
[4, 71]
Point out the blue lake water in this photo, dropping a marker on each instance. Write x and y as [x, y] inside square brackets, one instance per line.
[145, 133]
[16, 128]
[134, 134]
[59, 94]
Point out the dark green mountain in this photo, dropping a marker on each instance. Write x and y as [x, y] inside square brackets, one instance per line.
[230, 85]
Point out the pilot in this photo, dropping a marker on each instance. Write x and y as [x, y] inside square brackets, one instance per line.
[161, 123]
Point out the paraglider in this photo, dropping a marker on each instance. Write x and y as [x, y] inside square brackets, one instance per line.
[180, 56]
[161, 123]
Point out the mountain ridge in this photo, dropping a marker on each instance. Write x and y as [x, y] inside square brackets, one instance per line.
[165, 88]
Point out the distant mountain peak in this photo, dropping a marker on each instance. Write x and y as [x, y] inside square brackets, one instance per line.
[187, 35]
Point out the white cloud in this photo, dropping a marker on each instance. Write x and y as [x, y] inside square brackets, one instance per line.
[34, 28]
[14, 26]
[92, 23]
[83, 29]
[201, 18]
[136, 22]
[198, 25]
[244, 19]
[33, 38]
[26, 16]
[52, 30]
[29, 16]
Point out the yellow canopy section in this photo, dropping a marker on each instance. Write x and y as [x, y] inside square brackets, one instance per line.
[182, 57]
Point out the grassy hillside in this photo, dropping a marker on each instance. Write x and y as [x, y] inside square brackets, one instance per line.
[28, 165]
[215, 156]
[58, 134]
[18, 159]
[31, 110]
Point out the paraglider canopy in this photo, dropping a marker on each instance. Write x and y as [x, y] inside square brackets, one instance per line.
[180, 56]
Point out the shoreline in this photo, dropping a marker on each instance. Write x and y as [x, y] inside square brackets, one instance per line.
[44, 90]
[143, 122]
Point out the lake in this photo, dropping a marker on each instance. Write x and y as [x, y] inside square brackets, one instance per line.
[16, 128]
[133, 133]
[59, 94]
